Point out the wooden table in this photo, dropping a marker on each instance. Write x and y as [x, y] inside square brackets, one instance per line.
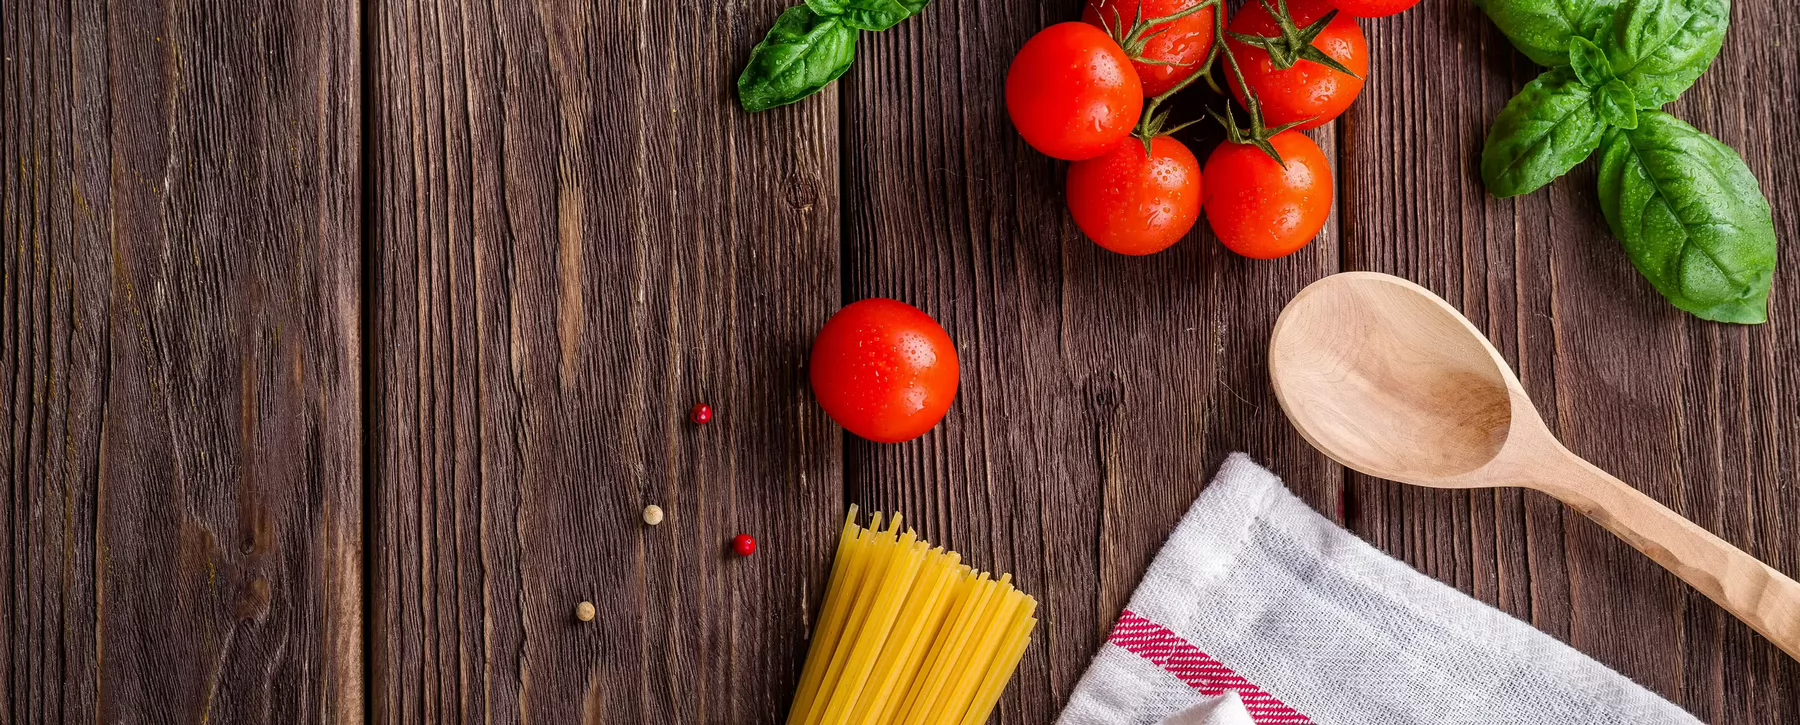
[344, 345]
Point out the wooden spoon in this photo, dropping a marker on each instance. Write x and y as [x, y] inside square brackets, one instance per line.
[1386, 378]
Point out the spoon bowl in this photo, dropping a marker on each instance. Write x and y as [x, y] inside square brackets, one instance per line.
[1388, 379]
[1422, 402]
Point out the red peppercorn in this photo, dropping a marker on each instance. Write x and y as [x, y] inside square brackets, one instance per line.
[744, 544]
[701, 414]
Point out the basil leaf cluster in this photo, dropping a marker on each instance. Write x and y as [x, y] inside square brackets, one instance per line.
[1689, 213]
[812, 45]
[1691, 216]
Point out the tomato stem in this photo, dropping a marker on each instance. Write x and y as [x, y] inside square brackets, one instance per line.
[1294, 44]
[1150, 125]
[1133, 39]
[1257, 135]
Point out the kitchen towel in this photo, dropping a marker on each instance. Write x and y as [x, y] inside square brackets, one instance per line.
[1256, 594]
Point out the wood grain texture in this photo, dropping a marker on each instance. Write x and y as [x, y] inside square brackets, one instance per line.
[1414, 206]
[576, 236]
[1099, 391]
[1688, 411]
[181, 370]
[566, 233]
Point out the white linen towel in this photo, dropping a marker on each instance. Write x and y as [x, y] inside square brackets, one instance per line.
[1226, 709]
[1256, 594]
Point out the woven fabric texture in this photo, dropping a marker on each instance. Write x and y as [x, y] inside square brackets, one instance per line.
[1254, 587]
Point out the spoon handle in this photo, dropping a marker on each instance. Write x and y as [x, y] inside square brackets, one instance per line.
[1764, 598]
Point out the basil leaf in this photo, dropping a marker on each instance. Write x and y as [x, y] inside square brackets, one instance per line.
[1545, 130]
[1542, 29]
[868, 14]
[801, 55]
[1617, 105]
[1589, 62]
[1660, 47]
[1691, 217]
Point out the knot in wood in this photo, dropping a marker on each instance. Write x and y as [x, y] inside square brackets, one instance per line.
[1105, 392]
[802, 190]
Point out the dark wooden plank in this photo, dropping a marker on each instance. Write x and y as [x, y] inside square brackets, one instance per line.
[1691, 412]
[183, 519]
[1098, 392]
[1748, 492]
[577, 235]
[1699, 415]
[1414, 206]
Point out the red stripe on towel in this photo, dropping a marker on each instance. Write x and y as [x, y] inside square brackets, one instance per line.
[1197, 669]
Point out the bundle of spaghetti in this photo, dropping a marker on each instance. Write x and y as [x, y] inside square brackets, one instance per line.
[909, 635]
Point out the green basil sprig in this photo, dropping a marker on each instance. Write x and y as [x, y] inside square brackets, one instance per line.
[1692, 218]
[1660, 47]
[1546, 130]
[812, 45]
[802, 54]
[1617, 104]
[875, 15]
[1689, 212]
[1541, 29]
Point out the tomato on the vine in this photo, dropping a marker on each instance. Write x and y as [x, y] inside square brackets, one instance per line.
[884, 370]
[1374, 8]
[1175, 49]
[1071, 92]
[1136, 203]
[1263, 209]
[1307, 90]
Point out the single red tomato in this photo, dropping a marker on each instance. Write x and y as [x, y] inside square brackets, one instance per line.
[1374, 8]
[1071, 92]
[884, 370]
[1262, 209]
[1175, 49]
[1136, 203]
[1306, 91]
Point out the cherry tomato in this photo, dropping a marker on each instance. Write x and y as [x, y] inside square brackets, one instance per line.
[1307, 91]
[744, 544]
[1176, 49]
[884, 370]
[1133, 203]
[1071, 92]
[1374, 8]
[1259, 208]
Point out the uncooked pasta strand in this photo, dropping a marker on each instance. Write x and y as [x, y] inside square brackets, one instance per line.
[845, 573]
[1018, 639]
[910, 638]
[909, 635]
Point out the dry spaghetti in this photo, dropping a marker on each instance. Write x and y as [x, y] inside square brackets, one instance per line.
[909, 635]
